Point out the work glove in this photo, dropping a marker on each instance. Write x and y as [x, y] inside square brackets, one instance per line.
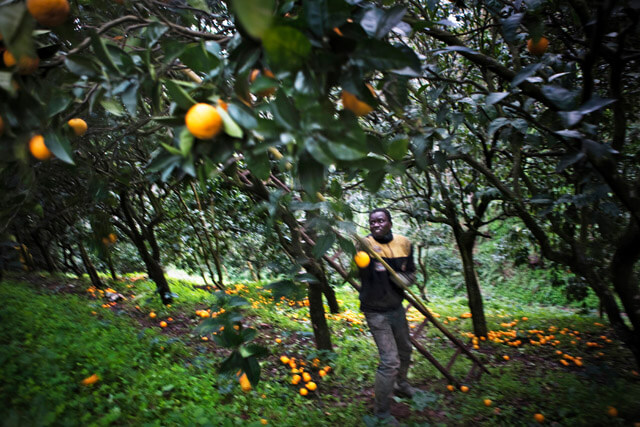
[404, 280]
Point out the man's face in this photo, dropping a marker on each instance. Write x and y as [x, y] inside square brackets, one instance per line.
[379, 224]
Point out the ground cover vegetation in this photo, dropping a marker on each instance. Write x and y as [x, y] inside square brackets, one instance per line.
[245, 141]
[91, 360]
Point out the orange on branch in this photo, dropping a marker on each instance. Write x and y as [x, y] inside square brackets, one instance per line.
[539, 418]
[304, 391]
[1, 126]
[49, 12]
[538, 48]
[312, 386]
[203, 121]
[91, 380]
[464, 389]
[267, 73]
[78, 125]
[487, 402]
[163, 324]
[38, 148]
[352, 103]
[245, 384]
[8, 59]
[152, 315]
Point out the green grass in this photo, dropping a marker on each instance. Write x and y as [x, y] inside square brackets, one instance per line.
[50, 341]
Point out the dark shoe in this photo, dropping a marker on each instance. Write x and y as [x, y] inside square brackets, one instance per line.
[404, 390]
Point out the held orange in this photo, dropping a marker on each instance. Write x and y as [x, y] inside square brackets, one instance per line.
[203, 121]
[538, 48]
[49, 12]
[352, 103]
[38, 148]
[78, 125]
[362, 259]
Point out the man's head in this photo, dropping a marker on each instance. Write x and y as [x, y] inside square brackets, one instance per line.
[379, 222]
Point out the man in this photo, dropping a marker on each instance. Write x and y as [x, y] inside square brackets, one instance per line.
[381, 302]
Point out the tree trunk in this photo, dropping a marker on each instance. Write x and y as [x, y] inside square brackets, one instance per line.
[321, 331]
[466, 242]
[254, 276]
[112, 269]
[153, 266]
[44, 250]
[91, 270]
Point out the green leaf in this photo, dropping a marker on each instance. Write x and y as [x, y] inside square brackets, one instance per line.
[6, 82]
[16, 27]
[525, 73]
[374, 180]
[312, 145]
[178, 95]
[398, 147]
[186, 141]
[380, 55]
[378, 22]
[344, 152]
[259, 164]
[495, 97]
[58, 102]
[243, 115]
[171, 149]
[112, 106]
[230, 127]
[102, 53]
[323, 244]
[311, 173]
[196, 57]
[256, 16]
[59, 146]
[129, 97]
[154, 32]
[286, 47]
[81, 66]
[284, 112]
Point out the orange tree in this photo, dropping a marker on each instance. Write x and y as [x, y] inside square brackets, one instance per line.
[560, 126]
[133, 71]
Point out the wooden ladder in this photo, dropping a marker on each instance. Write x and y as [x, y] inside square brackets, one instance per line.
[477, 367]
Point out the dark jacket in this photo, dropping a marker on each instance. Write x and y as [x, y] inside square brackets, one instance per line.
[378, 292]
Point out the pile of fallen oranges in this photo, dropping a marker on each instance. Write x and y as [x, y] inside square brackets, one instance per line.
[300, 370]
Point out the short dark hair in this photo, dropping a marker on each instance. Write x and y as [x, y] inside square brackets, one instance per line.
[383, 210]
